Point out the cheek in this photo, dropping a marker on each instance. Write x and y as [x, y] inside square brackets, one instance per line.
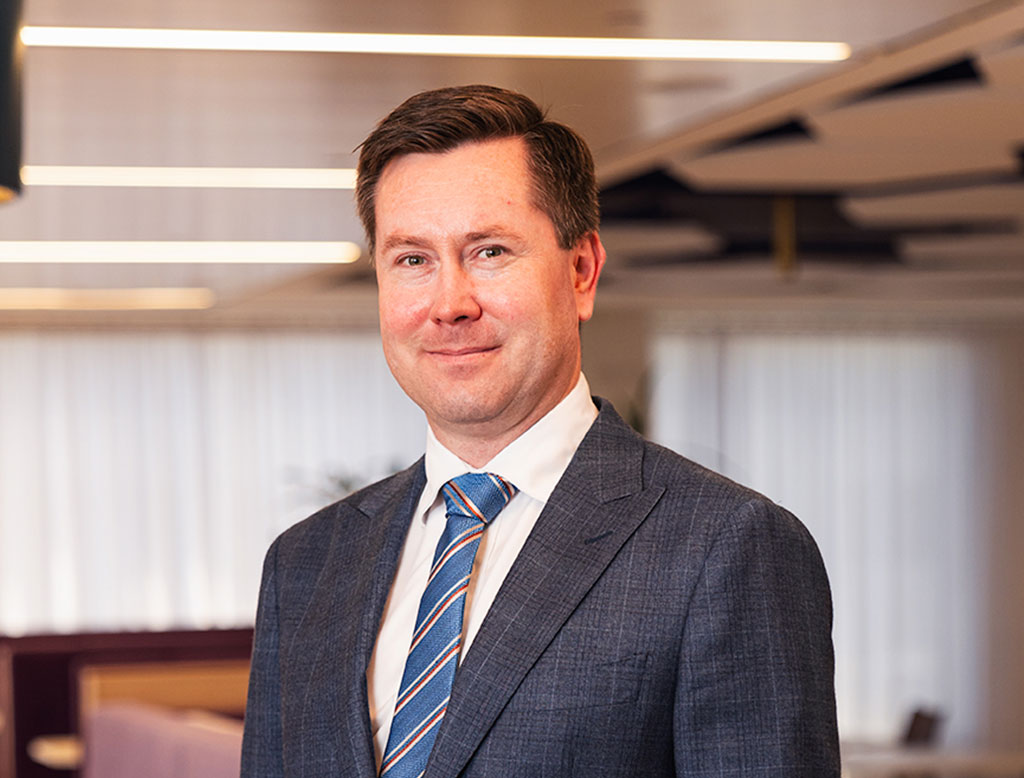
[533, 297]
[553, 302]
[399, 313]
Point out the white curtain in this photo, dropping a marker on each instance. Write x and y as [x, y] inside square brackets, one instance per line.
[142, 476]
[870, 440]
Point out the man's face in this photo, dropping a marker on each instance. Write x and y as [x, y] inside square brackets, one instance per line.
[479, 307]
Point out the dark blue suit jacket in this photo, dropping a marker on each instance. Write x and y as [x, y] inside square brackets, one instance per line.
[660, 620]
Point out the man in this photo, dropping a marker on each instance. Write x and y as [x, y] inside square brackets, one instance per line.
[611, 608]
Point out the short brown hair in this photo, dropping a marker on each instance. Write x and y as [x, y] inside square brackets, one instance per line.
[440, 120]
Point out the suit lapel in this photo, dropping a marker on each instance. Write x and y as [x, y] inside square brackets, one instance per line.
[365, 545]
[597, 505]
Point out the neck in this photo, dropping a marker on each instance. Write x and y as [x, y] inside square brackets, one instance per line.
[477, 444]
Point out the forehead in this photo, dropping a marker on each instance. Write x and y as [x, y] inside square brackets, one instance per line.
[484, 179]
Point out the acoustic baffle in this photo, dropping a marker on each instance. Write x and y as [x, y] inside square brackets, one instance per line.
[10, 98]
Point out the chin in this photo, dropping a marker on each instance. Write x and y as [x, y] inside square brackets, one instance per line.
[451, 407]
[463, 413]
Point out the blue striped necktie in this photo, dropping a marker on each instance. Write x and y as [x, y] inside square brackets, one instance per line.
[472, 500]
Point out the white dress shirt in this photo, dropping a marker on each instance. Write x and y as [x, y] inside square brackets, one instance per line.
[533, 462]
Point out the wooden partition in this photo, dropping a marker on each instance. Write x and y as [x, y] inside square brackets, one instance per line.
[47, 681]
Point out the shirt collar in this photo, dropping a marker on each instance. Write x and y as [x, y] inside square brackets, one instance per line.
[534, 461]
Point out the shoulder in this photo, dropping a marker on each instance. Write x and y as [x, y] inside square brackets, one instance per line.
[622, 450]
[743, 543]
[708, 502]
[731, 513]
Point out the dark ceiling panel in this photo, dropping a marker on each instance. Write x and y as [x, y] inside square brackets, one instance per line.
[746, 221]
[963, 72]
[791, 129]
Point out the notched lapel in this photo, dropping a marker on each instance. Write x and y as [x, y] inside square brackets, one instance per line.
[598, 504]
[340, 625]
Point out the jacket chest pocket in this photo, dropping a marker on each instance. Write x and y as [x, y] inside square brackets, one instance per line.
[566, 683]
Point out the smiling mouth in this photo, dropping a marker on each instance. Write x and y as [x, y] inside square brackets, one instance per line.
[461, 352]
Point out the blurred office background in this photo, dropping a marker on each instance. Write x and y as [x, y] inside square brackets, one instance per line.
[815, 285]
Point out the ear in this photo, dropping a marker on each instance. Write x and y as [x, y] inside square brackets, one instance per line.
[588, 259]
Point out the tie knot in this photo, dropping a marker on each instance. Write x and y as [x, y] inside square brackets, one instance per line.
[480, 496]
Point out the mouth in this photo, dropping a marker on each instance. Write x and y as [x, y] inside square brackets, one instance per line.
[461, 353]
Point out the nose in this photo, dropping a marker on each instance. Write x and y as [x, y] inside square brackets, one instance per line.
[454, 295]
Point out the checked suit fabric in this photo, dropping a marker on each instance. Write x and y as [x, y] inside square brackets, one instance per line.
[472, 500]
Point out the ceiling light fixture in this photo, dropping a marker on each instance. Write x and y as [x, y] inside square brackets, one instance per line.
[186, 252]
[439, 45]
[132, 299]
[191, 177]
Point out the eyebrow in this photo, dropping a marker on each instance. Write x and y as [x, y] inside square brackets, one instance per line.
[495, 231]
[400, 239]
[404, 240]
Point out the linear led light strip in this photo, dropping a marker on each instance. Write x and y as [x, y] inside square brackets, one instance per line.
[439, 45]
[129, 299]
[191, 177]
[187, 252]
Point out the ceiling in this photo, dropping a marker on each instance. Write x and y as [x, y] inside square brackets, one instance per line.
[901, 168]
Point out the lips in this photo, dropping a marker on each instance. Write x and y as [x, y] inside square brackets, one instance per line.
[460, 352]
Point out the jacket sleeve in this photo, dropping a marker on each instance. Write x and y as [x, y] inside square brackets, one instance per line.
[756, 691]
[262, 753]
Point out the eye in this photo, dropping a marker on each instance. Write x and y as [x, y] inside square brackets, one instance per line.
[491, 252]
[412, 260]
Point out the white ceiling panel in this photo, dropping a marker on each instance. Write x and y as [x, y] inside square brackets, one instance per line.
[827, 166]
[976, 249]
[225, 280]
[123, 213]
[975, 114]
[1004, 67]
[978, 203]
